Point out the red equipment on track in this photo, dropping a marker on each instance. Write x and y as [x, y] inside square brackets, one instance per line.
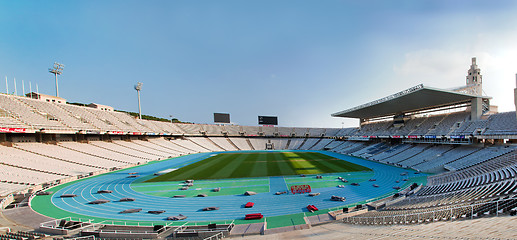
[252, 216]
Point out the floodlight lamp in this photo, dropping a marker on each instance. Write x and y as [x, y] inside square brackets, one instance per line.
[138, 86]
[57, 68]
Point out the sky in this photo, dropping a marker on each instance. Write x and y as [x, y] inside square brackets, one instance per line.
[295, 59]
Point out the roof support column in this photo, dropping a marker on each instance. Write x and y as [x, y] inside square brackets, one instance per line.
[476, 108]
[362, 121]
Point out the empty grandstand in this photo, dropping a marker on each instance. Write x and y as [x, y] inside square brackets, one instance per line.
[463, 151]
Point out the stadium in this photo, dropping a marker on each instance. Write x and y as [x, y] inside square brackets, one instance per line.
[422, 159]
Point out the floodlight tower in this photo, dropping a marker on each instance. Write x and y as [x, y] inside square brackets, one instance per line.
[138, 87]
[57, 69]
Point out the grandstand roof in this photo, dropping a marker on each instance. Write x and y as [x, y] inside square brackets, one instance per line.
[413, 99]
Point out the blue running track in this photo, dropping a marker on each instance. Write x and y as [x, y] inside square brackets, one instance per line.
[231, 207]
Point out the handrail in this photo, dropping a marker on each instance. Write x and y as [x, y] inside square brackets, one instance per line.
[219, 235]
[430, 210]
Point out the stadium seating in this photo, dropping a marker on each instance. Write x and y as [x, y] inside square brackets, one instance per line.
[308, 143]
[502, 124]
[25, 176]
[71, 166]
[334, 144]
[161, 142]
[478, 157]
[296, 142]
[250, 130]
[10, 122]
[488, 188]
[223, 143]
[285, 132]
[206, 143]
[301, 132]
[36, 118]
[57, 113]
[472, 180]
[268, 131]
[504, 161]
[212, 130]
[257, 144]
[7, 188]
[137, 145]
[157, 148]
[317, 132]
[35, 114]
[279, 143]
[190, 145]
[332, 132]
[241, 143]
[321, 144]
[123, 148]
[86, 116]
[233, 130]
[98, 151]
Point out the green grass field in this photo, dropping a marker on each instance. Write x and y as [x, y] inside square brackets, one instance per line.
[243, 165]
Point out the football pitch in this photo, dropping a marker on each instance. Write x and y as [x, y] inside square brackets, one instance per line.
[262, 164]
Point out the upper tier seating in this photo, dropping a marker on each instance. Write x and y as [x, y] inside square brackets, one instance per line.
[285, 132]
[233, 130]
[33, 117]
[22, 112]
[316, 132]
[269, 131]
[250, 130]
[58, 114]
[301, 132]
[212, 130]
[7, 121]
[86, 116]
[502, 124]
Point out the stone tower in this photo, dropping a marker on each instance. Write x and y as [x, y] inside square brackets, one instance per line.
[474, 79]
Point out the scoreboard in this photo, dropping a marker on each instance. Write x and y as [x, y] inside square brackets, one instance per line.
[221, 118]
[267, 120]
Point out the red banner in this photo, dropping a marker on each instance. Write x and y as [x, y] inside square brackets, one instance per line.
[300, 189]
[13, 130]
[116, 132]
